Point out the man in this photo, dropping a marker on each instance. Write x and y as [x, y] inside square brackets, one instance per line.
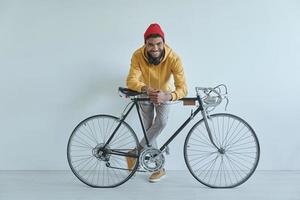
[156, 69]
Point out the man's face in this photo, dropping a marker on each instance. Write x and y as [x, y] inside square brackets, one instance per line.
[155, 46]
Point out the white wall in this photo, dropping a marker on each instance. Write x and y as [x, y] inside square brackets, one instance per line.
[62, 61]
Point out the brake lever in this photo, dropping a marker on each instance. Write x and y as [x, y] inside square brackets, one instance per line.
[227, 102]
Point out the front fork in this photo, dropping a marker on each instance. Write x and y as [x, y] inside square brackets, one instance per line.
[205, 117]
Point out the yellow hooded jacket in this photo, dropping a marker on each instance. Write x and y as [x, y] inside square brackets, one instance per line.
[164, 76]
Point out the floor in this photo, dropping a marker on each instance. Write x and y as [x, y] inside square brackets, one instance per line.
[56, 185]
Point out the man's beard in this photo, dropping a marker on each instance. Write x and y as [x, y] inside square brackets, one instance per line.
[155, 60]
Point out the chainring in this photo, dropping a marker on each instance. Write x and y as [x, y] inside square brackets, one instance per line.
[151, 159]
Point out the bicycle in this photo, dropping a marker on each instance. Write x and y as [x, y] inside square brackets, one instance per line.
[221, 150]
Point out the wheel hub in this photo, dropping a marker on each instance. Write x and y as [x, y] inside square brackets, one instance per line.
[221, 151]
[101, 153]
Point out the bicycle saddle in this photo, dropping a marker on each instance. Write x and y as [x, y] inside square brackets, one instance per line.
[129, 92]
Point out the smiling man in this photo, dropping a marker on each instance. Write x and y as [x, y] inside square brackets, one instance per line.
[156, 69]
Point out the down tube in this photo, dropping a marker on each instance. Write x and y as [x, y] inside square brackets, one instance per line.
[180, 129]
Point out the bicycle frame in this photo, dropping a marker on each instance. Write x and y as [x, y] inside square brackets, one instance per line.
[221, 150]
[135, 103]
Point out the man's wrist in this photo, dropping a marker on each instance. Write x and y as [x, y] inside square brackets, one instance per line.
[168, 97]
[144, 89]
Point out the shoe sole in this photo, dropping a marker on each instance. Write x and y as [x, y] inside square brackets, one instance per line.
[156, 180]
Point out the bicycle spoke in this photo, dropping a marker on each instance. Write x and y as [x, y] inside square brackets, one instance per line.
[88, 158]
[230, 166]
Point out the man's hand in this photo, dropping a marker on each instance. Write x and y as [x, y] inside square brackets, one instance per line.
[158, 96]
[148, 90]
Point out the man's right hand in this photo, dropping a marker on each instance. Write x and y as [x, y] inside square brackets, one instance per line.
[157, 96]
[148, 90]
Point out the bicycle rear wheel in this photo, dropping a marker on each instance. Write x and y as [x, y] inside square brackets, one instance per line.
[95, 165]
[237, 158]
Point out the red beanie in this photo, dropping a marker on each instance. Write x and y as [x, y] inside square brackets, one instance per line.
[154, 29]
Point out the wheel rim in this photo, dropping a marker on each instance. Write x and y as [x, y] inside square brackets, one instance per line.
[236, 159]
[90, 161]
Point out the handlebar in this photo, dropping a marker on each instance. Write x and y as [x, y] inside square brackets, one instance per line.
[213, 96]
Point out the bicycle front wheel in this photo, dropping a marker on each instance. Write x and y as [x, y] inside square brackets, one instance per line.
[233, 162]
[91, 161]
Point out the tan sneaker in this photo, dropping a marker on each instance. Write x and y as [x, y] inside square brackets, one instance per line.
[156, 176]
[131, 161]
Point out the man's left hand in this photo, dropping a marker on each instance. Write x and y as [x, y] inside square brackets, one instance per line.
[159, 96]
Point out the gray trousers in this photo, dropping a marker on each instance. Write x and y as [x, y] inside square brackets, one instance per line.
[155, 119]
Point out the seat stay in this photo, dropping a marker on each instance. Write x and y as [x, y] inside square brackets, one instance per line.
[122, 119]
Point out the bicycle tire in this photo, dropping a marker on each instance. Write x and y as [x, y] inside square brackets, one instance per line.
[83, 148]
[237, 160]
